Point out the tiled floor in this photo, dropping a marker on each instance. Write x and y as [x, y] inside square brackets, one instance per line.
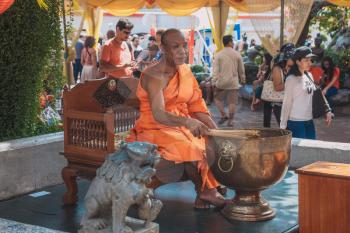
[177, 215]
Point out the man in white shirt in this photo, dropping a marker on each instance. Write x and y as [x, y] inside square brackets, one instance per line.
[228, 73]
[135, 43]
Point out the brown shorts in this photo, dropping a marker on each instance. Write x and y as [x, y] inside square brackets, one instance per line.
[230, 95]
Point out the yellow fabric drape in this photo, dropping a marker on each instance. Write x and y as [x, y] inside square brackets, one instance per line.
[345, 3]
[181, 7]
[117, 7]
[94, 17]
[253, 6]
[184, 7]
[220, 15]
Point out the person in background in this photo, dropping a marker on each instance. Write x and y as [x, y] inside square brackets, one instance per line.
[330, 79]
[252, 43]
[151, 41]
[88, 60]
[159, 34]
[250, 66]
[316, 69]
[308, 41]
[77, 67]
[243, 45]
[227, 75]
[317, 49]
[116, 58]
[110, 34]
[98, 49]
[135, 43]
[282, 64]
[263, 74]
[145, 59]
[297, 103]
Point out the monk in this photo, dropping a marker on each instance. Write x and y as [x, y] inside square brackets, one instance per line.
[174, 116]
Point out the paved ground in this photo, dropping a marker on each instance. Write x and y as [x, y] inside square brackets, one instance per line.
[339, 131]
[176, 216]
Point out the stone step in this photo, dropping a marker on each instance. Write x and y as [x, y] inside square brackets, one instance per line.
[8, 226]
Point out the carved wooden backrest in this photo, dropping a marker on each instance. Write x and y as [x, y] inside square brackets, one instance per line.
[94, 111]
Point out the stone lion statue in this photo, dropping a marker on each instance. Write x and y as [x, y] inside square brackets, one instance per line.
[119, 183]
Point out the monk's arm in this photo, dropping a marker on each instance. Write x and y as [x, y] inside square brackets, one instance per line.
[205, 118]
[154, 88]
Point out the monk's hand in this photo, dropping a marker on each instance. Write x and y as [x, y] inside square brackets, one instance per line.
[196, 127]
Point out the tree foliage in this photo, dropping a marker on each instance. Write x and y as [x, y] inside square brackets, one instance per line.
[30, 54]
[332, 19]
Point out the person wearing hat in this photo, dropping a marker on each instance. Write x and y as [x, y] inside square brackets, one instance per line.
[282, 63]
[297, 103]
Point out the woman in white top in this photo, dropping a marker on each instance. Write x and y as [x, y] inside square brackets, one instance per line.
[297, 103]
[88, 60]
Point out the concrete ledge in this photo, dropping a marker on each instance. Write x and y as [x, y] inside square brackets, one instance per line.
[29, 164]
[33, 163]
[305, 152]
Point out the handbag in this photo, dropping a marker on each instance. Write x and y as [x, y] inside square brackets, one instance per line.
[269, 94]
[320, 105]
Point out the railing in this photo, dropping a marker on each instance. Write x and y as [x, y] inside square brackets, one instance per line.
[88, 133]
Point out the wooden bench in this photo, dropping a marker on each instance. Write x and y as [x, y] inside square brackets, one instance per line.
[93, 113]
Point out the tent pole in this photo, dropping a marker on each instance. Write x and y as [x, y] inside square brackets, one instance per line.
[66, 51]
[64, 31]
[282, 23]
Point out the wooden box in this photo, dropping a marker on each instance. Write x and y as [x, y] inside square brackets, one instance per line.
[324, 198]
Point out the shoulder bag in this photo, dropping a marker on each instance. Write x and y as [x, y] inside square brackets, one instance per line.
[268, 91]
[320, 105]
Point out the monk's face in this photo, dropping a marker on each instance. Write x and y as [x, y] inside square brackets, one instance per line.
[175, 48]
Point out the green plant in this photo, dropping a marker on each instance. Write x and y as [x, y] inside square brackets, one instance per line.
[197, 69]
[44, 128]
[30, 53]
[342, 60]
[331, 19]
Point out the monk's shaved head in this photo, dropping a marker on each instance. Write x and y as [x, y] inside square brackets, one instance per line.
[173, 46]
[170, 33]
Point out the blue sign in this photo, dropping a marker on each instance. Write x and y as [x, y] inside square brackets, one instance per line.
[237, 31]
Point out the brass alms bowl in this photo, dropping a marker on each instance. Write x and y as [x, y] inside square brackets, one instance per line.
[250, 161]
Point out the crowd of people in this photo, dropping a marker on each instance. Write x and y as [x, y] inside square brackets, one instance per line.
[121, 48]
[173, 113]
[295, 74]
[233, 67]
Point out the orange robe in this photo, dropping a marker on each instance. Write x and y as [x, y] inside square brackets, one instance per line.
[182, 97]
